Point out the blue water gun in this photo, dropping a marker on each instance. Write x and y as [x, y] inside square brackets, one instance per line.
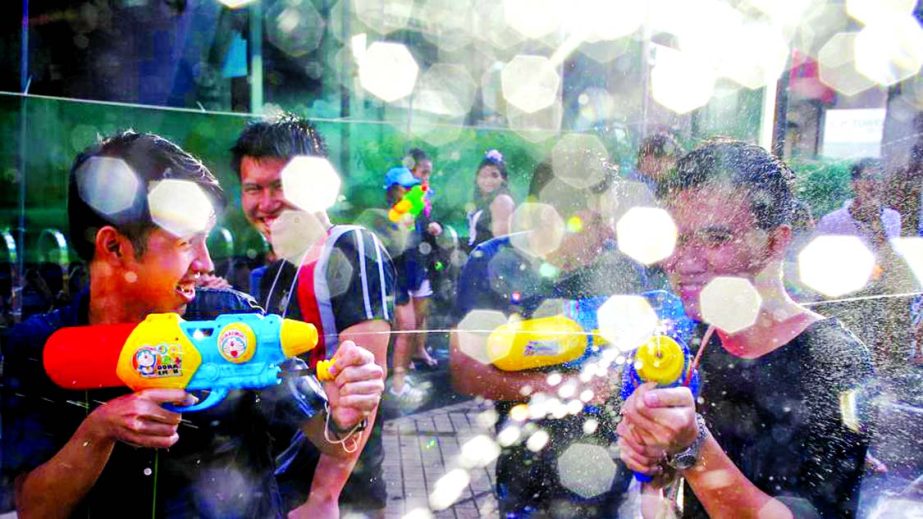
[664, 358]
[233, 351]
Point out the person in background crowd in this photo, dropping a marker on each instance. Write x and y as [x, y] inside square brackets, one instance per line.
[767, 437]
[492, 204]
[865, 215]
[398, 181]
[113, 452]
[420, 253]
[657, 155]
[344, 286]
[881, 323]
[574, 279]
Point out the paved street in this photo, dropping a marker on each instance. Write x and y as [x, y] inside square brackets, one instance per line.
[421, 448]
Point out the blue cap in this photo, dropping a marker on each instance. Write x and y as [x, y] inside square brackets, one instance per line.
[400, 175]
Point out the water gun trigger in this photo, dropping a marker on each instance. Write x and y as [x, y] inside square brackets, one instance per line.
[215, 396]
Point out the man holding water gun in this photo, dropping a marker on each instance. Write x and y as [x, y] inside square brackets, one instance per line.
[566, 285]
[767, 438]
[344, 285]
[140, 209]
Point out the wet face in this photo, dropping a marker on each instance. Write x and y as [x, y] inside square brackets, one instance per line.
[717, 236]
[656, 167]
[261, 196]
[163, 279]
[422, 170]
[395, 193]
[489, 179]
[868, 191]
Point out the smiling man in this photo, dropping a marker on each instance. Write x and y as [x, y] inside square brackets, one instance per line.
[344, 285]
[115, 453]
[767, 437]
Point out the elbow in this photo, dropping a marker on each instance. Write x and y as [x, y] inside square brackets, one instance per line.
[467, 376]
[460, 374]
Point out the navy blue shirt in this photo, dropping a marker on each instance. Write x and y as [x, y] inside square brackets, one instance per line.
[220, 467]
[499, 277]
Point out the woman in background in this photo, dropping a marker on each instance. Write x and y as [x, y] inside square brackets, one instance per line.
[493, 204]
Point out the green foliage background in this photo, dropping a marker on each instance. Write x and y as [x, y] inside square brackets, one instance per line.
[42, 137]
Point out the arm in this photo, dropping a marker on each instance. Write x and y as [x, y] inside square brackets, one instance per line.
[353, 394]
[471, 377]
[500, 211]
[333, 469]
[55, 488]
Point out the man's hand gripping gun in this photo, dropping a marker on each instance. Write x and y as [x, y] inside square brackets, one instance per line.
[558, 340]
[234, 351]
[664, 360]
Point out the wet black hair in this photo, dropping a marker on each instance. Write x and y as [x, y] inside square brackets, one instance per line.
[765, 180]
[151, 158]
[495, 159]
[861, 166]
[414, 157]
[282, 138]
[659, 145]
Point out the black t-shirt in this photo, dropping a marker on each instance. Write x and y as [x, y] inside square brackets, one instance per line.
[220, 467]
[779, 419]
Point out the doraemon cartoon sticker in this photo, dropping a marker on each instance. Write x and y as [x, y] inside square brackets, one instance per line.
[162, 360]
[233, 345]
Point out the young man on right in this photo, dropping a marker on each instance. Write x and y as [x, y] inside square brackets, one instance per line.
[767, 437]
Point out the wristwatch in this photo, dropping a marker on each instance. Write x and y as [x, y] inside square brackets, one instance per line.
[686, 458]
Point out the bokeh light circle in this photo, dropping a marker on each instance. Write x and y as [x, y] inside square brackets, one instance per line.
[536, 229]
[579, 160]
[730, 303]
[836, 265]
[180, 207]
[310, 183]
[586, 470]
[627, 321]
[646, 234]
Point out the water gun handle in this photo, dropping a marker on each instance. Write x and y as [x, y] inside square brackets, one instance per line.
[662, 360]
[214, 398]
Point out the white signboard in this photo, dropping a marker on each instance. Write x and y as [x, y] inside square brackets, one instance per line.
[850, 134]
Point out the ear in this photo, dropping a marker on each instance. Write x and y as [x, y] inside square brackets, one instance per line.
[112, 246]
[779, 240]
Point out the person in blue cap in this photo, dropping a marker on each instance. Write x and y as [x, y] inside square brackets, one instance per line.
[413, 289]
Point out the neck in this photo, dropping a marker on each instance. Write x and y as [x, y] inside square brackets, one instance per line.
[778, 322]
[108, 303]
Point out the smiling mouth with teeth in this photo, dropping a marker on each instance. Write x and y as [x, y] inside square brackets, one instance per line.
[187, 291]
